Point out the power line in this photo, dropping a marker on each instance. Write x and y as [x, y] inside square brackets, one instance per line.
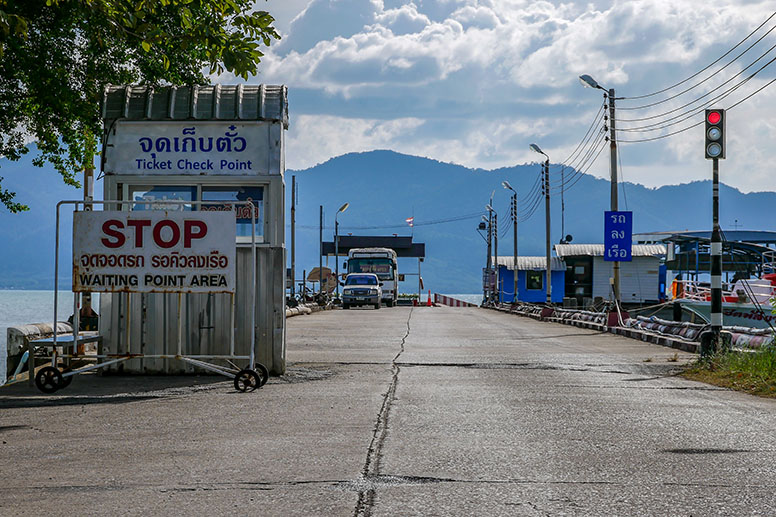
[723, 56]
[690, 113]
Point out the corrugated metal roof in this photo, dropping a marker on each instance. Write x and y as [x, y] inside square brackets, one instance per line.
[597, 250]
[215, 102]
[532, 263]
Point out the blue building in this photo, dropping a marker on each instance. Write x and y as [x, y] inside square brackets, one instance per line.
[531, 279]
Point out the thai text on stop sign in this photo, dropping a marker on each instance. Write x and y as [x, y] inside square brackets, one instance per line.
[154, 251]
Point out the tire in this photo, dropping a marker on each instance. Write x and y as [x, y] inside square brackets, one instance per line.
[246, 380]
[49, 379]
[389, 303]
[263, 374]
[346, 306]
[66, 380]
[377, 305]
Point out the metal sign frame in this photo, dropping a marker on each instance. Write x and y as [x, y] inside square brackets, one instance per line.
[243, 381]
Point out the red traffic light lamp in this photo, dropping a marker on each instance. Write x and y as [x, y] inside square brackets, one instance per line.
[715, 134]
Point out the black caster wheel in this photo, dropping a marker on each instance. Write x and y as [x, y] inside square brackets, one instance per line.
[66, 380]
[263, 373]
[49, 379]
[246, 380]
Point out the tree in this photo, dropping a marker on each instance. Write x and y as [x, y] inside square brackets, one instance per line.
[56, 56]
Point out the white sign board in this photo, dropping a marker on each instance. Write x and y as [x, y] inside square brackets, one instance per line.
[188, 148]
[154, 251]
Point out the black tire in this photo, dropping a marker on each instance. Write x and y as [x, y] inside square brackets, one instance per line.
[49, 379]
[389, 303]
[246, 380]
[346, 306]
[263, 374]
[377, 305]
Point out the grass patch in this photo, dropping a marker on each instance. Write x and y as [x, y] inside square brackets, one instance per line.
[753, 372]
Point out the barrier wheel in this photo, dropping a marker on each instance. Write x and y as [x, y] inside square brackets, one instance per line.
[263, 373]
[66, 380]
[246, 380]
[49, 379]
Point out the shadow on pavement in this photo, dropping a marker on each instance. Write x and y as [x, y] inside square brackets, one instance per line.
[113, 389]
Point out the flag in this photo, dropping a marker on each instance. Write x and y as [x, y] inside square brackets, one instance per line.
[410, 221]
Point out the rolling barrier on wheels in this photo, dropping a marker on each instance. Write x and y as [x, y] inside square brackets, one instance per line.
[179, 252]
[451, 302]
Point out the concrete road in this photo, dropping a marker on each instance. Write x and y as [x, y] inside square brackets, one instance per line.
[425, 411]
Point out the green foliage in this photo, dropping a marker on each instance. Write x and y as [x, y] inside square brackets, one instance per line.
[753, 371]
[56, 57]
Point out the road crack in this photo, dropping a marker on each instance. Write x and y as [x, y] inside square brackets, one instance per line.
[371, 470]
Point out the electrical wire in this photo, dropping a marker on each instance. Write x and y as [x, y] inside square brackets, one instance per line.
[694, 111]
[630, 108]
[723, 56]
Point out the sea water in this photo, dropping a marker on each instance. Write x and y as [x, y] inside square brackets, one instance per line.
[24, 307]
[476, 299]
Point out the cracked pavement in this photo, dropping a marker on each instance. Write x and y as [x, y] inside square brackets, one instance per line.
[424, 411]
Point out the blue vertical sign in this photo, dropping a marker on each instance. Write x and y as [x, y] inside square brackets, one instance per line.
[618, 236]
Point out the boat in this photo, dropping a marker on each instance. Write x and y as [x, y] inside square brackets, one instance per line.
[748, 303]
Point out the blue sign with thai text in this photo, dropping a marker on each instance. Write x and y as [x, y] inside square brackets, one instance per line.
[618, 236]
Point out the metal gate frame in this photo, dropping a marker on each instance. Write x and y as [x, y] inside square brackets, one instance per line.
[49, 379]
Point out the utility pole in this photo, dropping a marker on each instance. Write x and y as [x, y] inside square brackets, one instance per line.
[716, 260]
[293, 235]
[490, 252]
[546, 177]
[514, 230]
[613, 186]
[495, 252]
[562, 205]
[320, 251]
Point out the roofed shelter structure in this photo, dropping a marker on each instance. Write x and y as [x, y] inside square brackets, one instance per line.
[201, 144]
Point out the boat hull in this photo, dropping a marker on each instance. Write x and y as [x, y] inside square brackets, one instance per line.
[735, 314]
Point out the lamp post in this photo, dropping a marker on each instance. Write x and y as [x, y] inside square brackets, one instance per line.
[546, 177]
[336, 245]
[507, 186]
[589, 82]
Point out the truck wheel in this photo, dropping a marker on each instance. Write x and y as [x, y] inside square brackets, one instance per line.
[389, 303]
[377, 305]
[346, 306]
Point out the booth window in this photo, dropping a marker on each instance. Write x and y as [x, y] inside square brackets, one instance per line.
[534, 280]
[242, 212]
[161, 193]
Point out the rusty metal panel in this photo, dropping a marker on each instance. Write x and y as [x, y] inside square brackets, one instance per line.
[222, 102]
[206, 320]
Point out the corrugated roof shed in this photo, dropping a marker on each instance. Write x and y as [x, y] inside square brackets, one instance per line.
[219, 102]
[532, 263]
[597, 250]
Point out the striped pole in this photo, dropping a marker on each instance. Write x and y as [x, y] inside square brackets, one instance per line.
[716, 262]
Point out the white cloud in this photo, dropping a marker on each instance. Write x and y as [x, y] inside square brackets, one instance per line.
[479, 79]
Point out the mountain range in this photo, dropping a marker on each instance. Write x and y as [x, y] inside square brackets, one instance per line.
[383, 188]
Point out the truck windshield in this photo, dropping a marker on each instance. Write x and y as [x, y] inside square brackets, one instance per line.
[360, 280]
[382, 267]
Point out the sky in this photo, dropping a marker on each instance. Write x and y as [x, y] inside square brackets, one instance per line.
[474, 82]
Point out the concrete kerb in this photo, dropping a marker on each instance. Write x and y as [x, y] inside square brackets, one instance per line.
[639, 334]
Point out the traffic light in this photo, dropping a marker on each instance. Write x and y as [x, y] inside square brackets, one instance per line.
[715, 133]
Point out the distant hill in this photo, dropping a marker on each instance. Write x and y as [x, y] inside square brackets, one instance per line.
[383, 189]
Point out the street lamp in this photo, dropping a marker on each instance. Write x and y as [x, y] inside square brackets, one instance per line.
[507, 186]
[546, 176]
[589, 82]
[336, 245]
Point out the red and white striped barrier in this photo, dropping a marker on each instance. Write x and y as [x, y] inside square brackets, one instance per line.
[451, 302]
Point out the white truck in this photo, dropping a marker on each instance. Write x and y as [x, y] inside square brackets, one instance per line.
[382, 262]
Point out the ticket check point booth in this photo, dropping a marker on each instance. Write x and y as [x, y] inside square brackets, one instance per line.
[200, 148]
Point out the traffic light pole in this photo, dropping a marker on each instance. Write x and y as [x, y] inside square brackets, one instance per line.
[495, 255]
[716, 261]
[613, 185]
